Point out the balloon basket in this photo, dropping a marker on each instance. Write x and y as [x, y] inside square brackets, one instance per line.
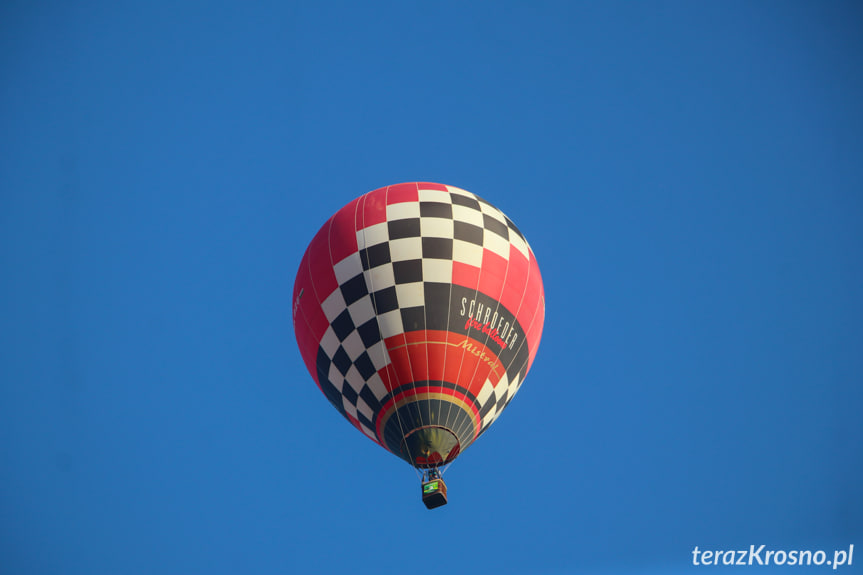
[434, 493]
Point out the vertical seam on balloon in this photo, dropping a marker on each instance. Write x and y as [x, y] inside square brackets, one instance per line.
[375, 308]
[416, 404]
[461, 362]
[455, 383]
[446, 347]
[392, 365]
[496, 299]
[425, 311]
[425, 324]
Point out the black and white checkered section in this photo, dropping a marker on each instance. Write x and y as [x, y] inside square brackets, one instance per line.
[494, 398]
[351, 351]
[421, 240]
[385, 279]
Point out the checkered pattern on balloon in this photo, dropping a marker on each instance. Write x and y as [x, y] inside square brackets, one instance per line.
[419, 307]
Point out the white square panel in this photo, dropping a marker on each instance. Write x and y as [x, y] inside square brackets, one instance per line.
[348, 268]
[501, 388]
[437, 270]
[410, 295]
[353, 345]
[467, 214]
[390, 323]
[493, 242]
[467, 253]
[333, 305]
[403, 210]
[335, 377]
[434, 196]
[380, 277]
[379, 355]
[514, 385]
[376, 384]
[350, 408]
[330, 342]
[364, 408]
[406, 249]
[519, 244]
[354, 379]
[362, 310]
[461, 192]
[489, 418]
[485, 392]
[436, 228]
[373, 235]
[492, 211]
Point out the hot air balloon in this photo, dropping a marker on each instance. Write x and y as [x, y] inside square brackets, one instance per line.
[418, 309]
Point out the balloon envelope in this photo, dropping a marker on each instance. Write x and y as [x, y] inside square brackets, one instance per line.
[418, 309]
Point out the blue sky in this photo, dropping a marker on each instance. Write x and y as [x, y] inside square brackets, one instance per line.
[689, 175]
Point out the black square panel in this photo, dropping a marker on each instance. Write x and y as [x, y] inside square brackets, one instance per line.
[407, 228]
[467, 232]
[365, 420]
[487, 406]
[435, 210]
[343, 325]
[482, 201]
[408, 271]
[365, 366]
[354, 289]
[333, 394]
[375, 256]
[437, 248]
[349, 393]
[437, 296]
[370, 332]
[459, 200]
[342, 361]
[370, 400]
[513, 227]
[385, 300]
[414, 318]
[495, 226]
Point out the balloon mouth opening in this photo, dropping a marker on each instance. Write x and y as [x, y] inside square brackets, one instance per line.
[430, 446]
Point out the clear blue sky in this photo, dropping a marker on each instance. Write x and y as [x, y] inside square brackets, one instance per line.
[689, 175]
